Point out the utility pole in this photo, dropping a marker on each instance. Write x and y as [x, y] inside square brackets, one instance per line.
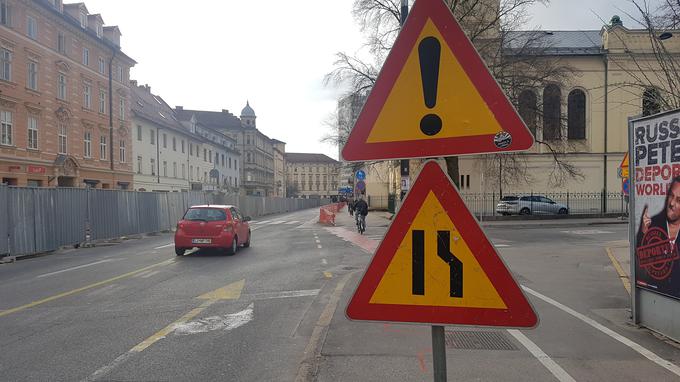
[404, 163]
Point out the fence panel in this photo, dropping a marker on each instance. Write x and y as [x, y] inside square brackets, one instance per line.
[70, 215]
[128, 219]
[45, 219]
[103, 214]
[4, 221]
[22, 221]
[147, 212]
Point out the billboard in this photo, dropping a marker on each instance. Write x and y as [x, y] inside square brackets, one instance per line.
[655, 147]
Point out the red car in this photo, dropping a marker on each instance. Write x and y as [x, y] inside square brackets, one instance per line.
[212, 226]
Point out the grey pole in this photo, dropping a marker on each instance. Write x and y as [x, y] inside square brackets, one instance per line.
[438, 353]
[404, 164]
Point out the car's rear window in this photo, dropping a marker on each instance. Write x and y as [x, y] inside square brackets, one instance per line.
[509, 198]
[206, 214]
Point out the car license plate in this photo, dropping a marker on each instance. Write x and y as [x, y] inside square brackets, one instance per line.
[201, 241]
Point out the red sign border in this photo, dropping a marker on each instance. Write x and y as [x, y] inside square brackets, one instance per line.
[357, 148]
[519, 312]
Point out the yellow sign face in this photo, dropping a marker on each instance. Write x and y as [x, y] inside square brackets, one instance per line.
[431, 233]
[625, 171]
[458, 101]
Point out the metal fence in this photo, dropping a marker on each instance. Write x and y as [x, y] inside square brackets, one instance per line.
[577, 203]
[35, 220]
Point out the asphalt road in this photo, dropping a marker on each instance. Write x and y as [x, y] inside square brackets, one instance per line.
[275, 312]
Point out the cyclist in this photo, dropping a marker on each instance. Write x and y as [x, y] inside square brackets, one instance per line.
[360, 212]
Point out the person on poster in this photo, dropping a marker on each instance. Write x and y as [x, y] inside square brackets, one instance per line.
[657, 266]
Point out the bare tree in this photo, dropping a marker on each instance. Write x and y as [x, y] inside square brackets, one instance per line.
[518, 60]
[654, 74]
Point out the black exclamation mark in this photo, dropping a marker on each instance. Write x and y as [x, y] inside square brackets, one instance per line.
[429, 51]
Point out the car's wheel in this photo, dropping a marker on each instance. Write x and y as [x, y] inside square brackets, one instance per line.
[525, 211]
[247, 243]
[179, 251]
[234, 246]
[563, 211]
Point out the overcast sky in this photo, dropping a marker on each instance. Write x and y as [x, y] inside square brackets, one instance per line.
[214, 55]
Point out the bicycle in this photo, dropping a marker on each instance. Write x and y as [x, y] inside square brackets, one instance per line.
[361, 223]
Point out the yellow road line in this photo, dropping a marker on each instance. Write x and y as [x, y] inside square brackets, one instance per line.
[168, 329]
[81, 289]
[328, 275]
[619, 269]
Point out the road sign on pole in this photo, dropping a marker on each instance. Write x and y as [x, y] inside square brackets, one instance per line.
[436, 266]
[434, 97]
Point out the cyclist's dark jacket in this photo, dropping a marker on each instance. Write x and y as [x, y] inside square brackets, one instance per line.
[360, 206]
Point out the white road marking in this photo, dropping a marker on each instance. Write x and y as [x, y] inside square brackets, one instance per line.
[543, 358]
[319, 246]
[624, 340]
[587, 232]
[165, 246]
[78, 267]
[324, 261]
[277, 222]
[209, 324]
[293, 222]
[318, 241]
[152, 273]
[285, 294]
[501, 245]
[264, 222]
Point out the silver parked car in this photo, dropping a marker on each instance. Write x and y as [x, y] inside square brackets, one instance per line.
[530, 204]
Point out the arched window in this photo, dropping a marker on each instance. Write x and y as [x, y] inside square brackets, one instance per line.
[527, 109]
[651, 101]
[551, 112]
[576, 115]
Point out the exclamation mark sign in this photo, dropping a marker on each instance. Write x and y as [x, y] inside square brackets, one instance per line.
[429, 52]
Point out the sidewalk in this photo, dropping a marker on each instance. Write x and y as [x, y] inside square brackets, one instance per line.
[619, 254]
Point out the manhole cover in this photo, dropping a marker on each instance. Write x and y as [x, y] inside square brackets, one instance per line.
[478, 340]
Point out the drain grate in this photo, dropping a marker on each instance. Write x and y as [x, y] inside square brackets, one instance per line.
[478, 340]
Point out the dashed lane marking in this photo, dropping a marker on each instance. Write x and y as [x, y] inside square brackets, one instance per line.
[324, 261]
[81, 289]
[75, 268]
[319, 246]
[165, 246]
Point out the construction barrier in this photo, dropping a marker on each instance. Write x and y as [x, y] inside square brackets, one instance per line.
[327, 213]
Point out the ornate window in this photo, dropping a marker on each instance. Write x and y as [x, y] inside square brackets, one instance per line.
[551, 112]
[576, 114]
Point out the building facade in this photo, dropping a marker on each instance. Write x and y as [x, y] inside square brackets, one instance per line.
[213, 160]
[279, 168]
[311, 175]
[64, 98]
[257, 150]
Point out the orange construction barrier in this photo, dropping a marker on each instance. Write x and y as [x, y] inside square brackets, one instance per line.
[327, 213]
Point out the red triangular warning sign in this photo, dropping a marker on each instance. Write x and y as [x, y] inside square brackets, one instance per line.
[436, 266]
[434, 97]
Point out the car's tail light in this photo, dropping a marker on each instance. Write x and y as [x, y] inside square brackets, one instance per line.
[180, 225]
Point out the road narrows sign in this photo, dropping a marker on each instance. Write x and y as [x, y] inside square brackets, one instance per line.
[435, 97]
[435, 265]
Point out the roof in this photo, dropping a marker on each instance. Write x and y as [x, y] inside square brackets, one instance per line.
[309, 158]
[215, 120]
[248, 111]
[76, 23]
[586, 42]
[213, 206]
[153, 108]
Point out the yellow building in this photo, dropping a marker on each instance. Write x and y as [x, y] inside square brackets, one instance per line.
[311, 175]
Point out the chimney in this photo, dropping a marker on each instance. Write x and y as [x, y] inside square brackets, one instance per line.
[180, 108]
[112, 34]
[147, 87]
[225, 111]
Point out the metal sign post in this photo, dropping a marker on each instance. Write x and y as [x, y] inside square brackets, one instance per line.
[439, 353]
